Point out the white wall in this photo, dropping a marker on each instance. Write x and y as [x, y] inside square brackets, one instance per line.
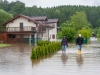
[45, 35]
[16, 23]
[53, 31]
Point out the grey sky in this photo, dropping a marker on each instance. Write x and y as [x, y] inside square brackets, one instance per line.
[51, 3]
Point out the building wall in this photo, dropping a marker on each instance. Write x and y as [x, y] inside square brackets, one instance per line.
[53, 32]
[45, 35]
[16, 23]
[3, 38]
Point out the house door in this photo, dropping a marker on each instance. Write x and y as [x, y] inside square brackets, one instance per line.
[21, 26]
[32, 39]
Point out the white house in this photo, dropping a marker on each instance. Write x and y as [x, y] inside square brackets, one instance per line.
[30, 29]
[52, 32]
[51, 27]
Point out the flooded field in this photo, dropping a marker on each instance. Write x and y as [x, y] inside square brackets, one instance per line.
[15, 60]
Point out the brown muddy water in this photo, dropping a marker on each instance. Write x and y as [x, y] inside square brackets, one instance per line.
[15, 60]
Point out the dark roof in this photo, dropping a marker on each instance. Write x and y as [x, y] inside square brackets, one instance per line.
[39, 18]
[52, 21]
[20, 15]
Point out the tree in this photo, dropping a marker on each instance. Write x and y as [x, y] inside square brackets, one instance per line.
[98, 23]
[95, 31]
[86, 33]
[4, 16]
[98, 33]
[79, 20]
[69, 32]
[18, 9]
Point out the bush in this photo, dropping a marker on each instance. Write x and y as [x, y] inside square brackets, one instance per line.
[45, 49]
[33, 54]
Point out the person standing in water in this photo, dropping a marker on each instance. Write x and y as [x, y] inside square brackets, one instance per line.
[64, 44]
[79, 42]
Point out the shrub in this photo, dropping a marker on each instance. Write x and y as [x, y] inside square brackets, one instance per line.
[45, 49]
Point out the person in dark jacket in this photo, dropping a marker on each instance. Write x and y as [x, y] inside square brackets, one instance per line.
[64, 44]
[79, 42]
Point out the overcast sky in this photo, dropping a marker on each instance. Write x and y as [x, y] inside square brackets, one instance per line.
[51, 3]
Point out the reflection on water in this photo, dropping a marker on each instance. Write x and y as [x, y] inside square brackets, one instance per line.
[37, 61]
[15, 60]
[64, 58]
[79, 60]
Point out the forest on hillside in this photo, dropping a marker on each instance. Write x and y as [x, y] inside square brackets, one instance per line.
[63, 13]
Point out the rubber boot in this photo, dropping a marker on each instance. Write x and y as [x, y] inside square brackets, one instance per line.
[79, 51]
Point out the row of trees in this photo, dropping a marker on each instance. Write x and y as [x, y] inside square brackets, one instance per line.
[63, 13]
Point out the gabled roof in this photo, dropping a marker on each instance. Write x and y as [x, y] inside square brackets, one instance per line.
[20, 15]
[52, 21]
[40, 18]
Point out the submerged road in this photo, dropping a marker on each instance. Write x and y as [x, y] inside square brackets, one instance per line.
[16, 60]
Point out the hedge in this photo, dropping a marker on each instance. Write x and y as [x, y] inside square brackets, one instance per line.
[45, 48]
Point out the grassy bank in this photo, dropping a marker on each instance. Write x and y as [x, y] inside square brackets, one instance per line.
[4, 45]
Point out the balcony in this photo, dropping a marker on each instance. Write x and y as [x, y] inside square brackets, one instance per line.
[18, 29]
[24, 29]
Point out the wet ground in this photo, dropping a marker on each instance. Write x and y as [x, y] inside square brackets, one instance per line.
[15, 60]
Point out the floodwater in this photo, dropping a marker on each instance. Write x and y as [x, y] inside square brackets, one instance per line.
[15, 60]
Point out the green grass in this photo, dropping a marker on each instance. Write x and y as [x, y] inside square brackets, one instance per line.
[4, 45]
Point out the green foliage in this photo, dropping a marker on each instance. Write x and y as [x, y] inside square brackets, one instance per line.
[85, 33]
[38, 51]
[77, 24]
[79, 20]
[41, 43]
[69, 32]
[33, 54]
[17, 9]
[4, 16]
[46, 50]
[98, 33]
[43, 50]
[98, 23]
[66, 30]
[59, 35]
[95, 30]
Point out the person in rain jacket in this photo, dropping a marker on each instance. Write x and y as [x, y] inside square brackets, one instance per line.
[64, 44]
[79, 42]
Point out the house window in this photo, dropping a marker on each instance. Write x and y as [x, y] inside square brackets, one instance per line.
[11, 36]
[32, 36]
[53, 25]
[21, 26]
[53, 36]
